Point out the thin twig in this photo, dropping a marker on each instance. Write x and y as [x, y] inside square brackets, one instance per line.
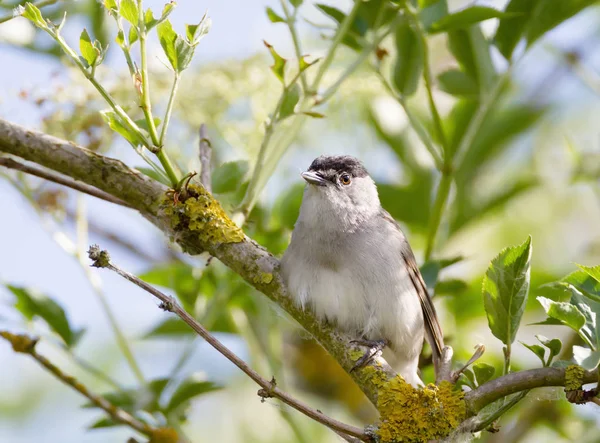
[56, 178]
[205, 154]
[269, 389]
[290, 19]
[26, 345]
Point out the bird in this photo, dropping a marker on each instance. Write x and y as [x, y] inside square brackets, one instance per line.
[350, 263]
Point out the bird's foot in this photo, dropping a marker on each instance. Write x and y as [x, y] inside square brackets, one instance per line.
[375, 348]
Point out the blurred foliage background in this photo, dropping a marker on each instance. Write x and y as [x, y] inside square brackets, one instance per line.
[531, 167]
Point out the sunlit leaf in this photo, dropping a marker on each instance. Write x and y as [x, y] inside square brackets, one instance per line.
[178, 51]
[472, 51]
[128, 9]
[114, 122]
[410, 58]
[154, 175]
[505, 290]
[278, 67]
[195, 33]
[273, 16]
[592, 271]
[563, 313]
[88, 51]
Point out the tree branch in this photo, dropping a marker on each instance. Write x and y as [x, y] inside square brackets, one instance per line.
[56, 178]
[244, 256]
[520, 381]
[26, 345]
[269, 388]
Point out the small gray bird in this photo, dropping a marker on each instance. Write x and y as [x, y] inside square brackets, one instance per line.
[350, 263]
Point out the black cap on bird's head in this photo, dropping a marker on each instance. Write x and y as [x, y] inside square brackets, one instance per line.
[336, 169]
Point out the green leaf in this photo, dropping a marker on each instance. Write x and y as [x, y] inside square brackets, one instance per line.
[592, 271]
[431, 269]
[555, 345]
[151, 22]
[110, 4]
[114, 122]
[331, 12]
[120, 39]
[134, 400]
[565, 313]
[432, 12]
[510, 30]
[505, 290]
[32, 13]
[32, 304]
[195, 33]
[586, 358]
[278, 67]
[273, 16]
[128, 9]
[88, 51]
[105, 422]
[472, 52]
[410, 57]
[539, 351]
[178, 51]
[483, 372]
[133, 35]
[291, 97]
[467, 17]
[303, 65]
[456, 82]
[229, 176]
[296, 3]
[549, 14]
[189, 389]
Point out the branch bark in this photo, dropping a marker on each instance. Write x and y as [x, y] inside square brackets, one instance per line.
[517, 382]
[251, 261]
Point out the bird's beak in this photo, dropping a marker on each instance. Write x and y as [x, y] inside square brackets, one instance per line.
[313, 178]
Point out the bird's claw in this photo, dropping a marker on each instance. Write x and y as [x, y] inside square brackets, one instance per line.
[375, 348]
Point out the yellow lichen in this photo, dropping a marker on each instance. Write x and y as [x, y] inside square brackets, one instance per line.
[264, 278]
[203, 215]
[164, 435]
[417, 415]
[574, 377]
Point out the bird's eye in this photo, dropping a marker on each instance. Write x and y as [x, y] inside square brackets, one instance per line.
[345, 179]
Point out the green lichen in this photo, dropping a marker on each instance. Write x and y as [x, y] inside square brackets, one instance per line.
[416, 415]
[200, 213]
[574, 377]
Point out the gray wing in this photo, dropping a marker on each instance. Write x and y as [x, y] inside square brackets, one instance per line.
[433, 330]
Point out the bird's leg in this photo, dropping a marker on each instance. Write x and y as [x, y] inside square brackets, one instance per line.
[374, 347]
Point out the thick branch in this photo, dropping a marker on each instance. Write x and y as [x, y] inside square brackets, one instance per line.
[517, 382]
[252, 262]
[269, 388]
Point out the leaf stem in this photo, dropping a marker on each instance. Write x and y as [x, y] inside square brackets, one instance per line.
[167, 119]
[438, 210]
[339, 36]
[146, 103]
[290, 20]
